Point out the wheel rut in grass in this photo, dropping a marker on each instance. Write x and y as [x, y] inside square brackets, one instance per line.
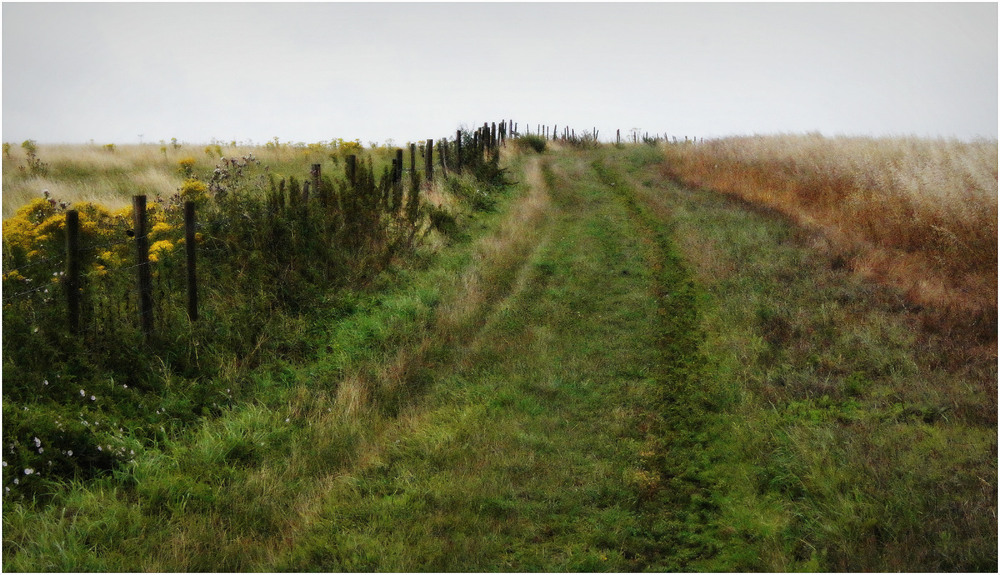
[539, 444]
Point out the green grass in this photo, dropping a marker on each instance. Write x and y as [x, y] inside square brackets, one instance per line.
[531, 453]
[206, 487]
[603, 372]
[830, 452]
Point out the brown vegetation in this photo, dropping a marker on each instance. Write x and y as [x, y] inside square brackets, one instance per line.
[916, 214]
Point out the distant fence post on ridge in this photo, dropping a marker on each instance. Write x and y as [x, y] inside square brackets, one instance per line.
[429, 160]
[352, 171]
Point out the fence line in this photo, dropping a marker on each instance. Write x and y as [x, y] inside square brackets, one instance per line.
[101, 300]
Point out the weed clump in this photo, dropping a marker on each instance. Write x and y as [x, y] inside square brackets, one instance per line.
[530, 142]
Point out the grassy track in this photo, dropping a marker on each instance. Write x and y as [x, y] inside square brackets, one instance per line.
[609, 373]
[535, 448]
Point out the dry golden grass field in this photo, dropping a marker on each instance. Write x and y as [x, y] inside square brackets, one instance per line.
[917, 214]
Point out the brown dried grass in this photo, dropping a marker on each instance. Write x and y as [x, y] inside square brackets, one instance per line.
[917, 214]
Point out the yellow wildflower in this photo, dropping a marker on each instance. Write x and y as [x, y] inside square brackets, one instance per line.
[159, 248]
[160, 227]
[53, 223]
[193, 190]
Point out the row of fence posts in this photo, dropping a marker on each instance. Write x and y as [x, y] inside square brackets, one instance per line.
[553, 134]
[484, 139]
[144, 278]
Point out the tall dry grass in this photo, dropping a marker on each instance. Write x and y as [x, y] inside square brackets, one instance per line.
[918, 214]
[93, 173]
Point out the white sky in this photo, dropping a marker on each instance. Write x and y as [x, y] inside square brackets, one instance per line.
[318, 71]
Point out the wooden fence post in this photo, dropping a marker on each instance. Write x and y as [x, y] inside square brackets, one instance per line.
[73, 270]
[189, 248]
[413, 158]
[442, 156]
[316, 172]
[458, 150]
[429, 160]
[352, 171]
[145, 277]
[398, 176]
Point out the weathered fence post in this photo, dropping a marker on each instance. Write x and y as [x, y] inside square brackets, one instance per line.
[189, 248]
[352, 171]
[429, 160]
[442, 155]
[316, 172]
[398, 176]
[145, 277]
[413, 158]
[73, 270]
[458, 150]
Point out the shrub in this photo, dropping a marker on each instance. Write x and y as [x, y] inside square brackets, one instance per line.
[34, 166]
[531, 142]
[186, 166]
[267, 260]
[194, 190]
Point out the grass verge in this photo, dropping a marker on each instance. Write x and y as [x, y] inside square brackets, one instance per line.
[844, 438]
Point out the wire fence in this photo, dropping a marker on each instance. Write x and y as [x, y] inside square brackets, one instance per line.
[109, 275]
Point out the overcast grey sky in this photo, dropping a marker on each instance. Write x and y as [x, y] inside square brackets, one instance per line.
[317, 71]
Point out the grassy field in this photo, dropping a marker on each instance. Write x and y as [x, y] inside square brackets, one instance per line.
[111, 176]
[852, 437]
[598, 369]
[917, 214]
